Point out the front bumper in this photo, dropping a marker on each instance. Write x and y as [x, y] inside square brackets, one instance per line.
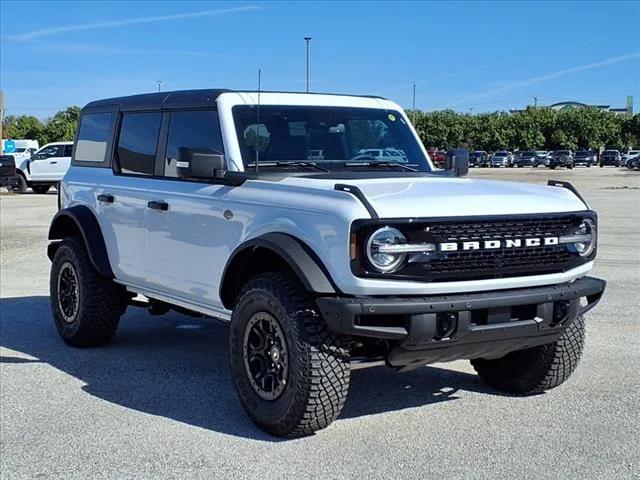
[488, 324]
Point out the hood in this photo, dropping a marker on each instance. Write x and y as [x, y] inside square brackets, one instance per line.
[452, 197]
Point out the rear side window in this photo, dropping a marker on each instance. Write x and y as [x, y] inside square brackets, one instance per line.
[137, 142]
[68, 149]
[194, 130]
[92, 138]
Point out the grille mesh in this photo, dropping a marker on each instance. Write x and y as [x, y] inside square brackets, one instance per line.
[460, 265]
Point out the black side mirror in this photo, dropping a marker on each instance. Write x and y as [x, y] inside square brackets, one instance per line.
[200, 163]
[457, 161]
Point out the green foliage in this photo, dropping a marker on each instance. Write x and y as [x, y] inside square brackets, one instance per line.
[24, 126]
[531, 129]
[61, 127]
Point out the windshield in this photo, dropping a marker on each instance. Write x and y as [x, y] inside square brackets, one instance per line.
[527, 154]
[20, 150]
[562, 152]
[334, 138]
[500, 154]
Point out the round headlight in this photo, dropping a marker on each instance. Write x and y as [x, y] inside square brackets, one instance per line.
[587, 228]
[385, 261]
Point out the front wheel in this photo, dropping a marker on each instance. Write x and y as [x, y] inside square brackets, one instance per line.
[290, 371]
[536, 369]
[86, 306]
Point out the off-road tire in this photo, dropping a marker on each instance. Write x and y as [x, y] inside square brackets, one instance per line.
[101, 301]
[19, 186]
[319, 371]
[40, 189]
[537, 369]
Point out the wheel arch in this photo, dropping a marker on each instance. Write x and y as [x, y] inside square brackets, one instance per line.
[274, 251]
[80, 221]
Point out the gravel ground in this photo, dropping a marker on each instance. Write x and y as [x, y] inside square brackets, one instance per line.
[158, 402]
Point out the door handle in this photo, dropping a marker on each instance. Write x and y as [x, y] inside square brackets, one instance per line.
[53, 162]
[164, 206]
[106, 198]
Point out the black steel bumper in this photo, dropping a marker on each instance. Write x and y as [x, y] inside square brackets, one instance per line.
[8, 180]
[470, 325]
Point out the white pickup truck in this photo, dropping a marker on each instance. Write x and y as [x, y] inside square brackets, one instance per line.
[46, 167]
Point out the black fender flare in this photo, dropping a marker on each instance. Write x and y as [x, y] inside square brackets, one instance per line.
[80, 218]
[304, 263]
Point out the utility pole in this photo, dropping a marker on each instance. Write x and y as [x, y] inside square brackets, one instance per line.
[1, 121]
[159, 82]
[413, 108]
[535, 101]
[307, 39]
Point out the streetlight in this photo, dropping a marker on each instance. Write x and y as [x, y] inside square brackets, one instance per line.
[159, 82]
[307, 39]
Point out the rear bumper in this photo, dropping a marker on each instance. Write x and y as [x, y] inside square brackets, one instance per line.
[488, 324]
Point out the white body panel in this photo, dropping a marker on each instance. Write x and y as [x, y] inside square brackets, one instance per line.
[179, 255]
[50, 169]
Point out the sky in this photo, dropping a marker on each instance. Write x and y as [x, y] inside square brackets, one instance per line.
[468, 56]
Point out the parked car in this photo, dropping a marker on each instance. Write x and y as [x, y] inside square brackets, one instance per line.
[20, 149]
[439, 158]
[526, 158]
[585, 157]
[634, 162]
[610, 158]
[542, 156]
[7, 171]
[629, 155]
[200, 202]
[382, 154]
[561, 158]
[44, 168]
[479, 158]
[502, 158]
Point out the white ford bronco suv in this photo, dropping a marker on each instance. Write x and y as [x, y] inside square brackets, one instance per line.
[263, 210]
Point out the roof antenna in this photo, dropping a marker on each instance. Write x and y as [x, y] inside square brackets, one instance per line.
[258, 123]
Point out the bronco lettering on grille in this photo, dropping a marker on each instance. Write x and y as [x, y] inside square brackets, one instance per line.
[497, 244]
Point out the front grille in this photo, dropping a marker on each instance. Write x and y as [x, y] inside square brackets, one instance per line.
[442, 266]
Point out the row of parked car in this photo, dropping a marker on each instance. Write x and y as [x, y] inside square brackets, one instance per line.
[39, 170]
[550, 159]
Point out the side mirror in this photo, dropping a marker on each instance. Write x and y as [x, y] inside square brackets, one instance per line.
[200, 163]
[457, 161]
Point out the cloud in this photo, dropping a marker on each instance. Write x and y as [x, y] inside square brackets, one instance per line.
[544, 78]
[128, 21]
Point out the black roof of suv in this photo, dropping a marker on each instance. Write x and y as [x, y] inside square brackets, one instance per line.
[180, 99]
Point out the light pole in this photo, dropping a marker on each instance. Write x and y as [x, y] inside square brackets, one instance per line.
[307, 39]
[159, 82]
[413, 109]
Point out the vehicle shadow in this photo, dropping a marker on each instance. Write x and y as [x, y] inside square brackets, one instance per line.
[176, 367]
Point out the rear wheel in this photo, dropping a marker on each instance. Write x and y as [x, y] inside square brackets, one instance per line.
[19, 186]
[86, 306]
[290, 371]
[40, 189]
[537, 369]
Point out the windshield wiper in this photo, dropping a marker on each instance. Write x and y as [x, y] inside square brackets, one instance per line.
[298, 163]
[380, 164]
[293, 163]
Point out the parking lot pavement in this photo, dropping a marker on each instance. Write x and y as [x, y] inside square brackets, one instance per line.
[158, 402]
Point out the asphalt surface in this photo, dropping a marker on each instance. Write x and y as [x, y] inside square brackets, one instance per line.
[158, 402]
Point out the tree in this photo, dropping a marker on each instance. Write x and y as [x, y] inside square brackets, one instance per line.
[24, 127]
[62, 127]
